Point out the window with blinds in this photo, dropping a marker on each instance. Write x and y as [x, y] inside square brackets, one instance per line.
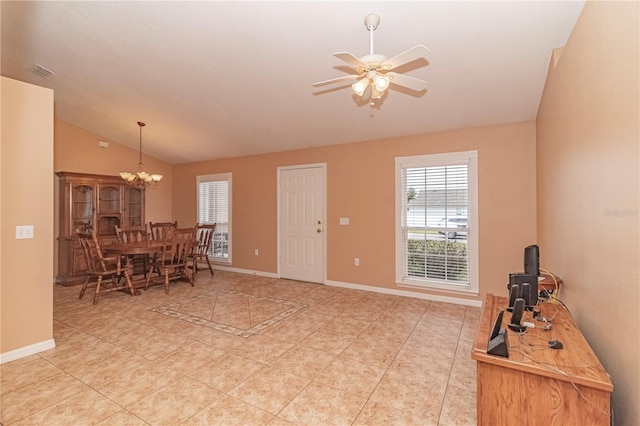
[214, 206]
[436, 215]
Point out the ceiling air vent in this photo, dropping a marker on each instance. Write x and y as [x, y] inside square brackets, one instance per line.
[41, 71]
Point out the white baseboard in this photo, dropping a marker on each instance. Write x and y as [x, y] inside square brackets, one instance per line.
[433, 297]
[27, 351]
[245, 271]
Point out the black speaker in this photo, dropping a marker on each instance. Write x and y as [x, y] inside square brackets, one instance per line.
[514, 293]
[516, 317]
[532, 260]
[519, 279]
[526, 294]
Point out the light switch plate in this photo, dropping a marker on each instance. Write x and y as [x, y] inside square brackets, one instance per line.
[344, 221]
[24, 232]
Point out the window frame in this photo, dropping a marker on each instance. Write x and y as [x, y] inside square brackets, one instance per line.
[470, 158]
[218, 177]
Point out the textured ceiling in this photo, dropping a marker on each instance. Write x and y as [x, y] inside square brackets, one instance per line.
[225, 79]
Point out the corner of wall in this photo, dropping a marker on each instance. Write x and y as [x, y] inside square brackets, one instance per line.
[555, 56]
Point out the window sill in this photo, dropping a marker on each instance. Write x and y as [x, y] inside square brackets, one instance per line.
[433, 285]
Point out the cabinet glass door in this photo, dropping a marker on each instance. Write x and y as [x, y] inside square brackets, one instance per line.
[81, 208]
[133, 205]
[109, 200]
[108, 209]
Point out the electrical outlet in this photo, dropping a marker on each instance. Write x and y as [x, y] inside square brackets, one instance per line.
[255, 252]
[24, 232]
[356, 261]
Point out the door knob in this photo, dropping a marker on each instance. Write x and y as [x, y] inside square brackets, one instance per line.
[319, 222]
[318, 230]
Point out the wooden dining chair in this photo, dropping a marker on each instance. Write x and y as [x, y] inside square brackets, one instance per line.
[127, 234]
[158, 230]
[204, 236]
[99, 267]
[172, 262]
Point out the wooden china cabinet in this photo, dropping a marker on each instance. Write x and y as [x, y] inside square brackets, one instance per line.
[97, 202]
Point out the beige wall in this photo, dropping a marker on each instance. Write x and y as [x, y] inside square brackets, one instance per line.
[587, 176]
[77, 150]
[26, 176]
[360, 185]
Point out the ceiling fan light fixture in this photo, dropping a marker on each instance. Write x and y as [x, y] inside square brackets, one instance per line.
[374, 69]
[360, 86]
[375, 93]
[381, 82]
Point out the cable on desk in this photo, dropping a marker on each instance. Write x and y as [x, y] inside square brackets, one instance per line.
[555, 280]
[532, 345]
[558, 300]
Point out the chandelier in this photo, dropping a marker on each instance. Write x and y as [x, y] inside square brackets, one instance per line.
[141, 178]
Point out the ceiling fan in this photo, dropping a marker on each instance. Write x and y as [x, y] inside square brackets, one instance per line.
[373, 72]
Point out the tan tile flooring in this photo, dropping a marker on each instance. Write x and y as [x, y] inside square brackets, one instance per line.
[347, 357]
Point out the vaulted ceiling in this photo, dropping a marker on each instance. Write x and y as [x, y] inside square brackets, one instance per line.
[217, 79]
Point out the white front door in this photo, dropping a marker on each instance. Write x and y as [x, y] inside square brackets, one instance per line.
[301, 225]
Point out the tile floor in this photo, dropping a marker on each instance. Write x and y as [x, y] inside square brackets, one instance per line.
[345, 357]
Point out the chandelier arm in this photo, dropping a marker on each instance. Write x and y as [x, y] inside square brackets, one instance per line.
[140, 124]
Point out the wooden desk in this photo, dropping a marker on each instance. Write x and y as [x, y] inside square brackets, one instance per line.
[536, 384]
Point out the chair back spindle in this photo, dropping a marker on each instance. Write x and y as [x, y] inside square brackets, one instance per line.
[158, 230]
[127, 234]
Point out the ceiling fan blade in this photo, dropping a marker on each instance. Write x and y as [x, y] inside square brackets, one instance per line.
[406, 81]
[416, 52]
[351, 60]
[335, 80]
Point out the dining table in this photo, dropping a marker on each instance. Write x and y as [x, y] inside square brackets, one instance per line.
[131, 248]
[135, 247]
[128, 249]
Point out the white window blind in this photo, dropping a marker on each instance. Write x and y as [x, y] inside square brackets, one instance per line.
[436, 235]
[214, 206]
